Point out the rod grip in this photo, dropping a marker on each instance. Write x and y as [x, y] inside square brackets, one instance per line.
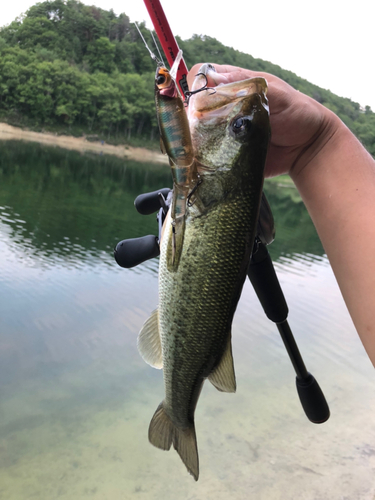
[312, 399]
[266, 285]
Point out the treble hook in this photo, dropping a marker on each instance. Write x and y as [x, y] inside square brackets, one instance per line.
[189, 93]
[188, 199]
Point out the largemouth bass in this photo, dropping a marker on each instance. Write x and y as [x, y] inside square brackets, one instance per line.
[189, 335]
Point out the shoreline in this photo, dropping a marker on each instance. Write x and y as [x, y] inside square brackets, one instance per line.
[8, 132]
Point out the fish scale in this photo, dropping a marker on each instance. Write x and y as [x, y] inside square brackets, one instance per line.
[211, 270]
[194, 307]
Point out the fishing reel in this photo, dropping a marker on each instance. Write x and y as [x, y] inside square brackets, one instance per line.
[261, 272]
[129, 253]
[132, 252]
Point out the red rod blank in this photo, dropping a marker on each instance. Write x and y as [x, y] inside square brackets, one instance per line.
[167, 41]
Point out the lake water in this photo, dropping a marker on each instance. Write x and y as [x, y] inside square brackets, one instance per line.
[75, 396]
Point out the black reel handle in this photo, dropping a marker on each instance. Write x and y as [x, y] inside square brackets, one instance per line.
[132, 252]
[149, 203]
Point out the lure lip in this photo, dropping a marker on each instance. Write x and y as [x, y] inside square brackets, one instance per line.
[169, 87]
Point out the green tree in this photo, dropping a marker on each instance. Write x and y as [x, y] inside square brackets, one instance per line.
[100, 55]
[69, 64]
[37, 31]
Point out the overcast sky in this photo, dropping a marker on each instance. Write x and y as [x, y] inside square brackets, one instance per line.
[327, 42]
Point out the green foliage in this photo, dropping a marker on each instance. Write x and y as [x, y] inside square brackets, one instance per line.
[69, 64]
[56, 92]
[294, 228]
[364, 128]
[100, 55]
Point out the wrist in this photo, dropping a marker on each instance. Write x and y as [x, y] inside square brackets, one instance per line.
[330, 132]
[337, 185]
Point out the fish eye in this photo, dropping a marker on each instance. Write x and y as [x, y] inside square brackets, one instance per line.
[241, 126]
[239, 123]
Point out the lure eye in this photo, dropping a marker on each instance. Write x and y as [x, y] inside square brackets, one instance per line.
[160, 79]
[163, 78]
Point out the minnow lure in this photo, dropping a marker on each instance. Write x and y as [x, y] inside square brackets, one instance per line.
[175, 141]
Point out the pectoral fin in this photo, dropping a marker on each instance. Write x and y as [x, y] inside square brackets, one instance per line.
[223, 377]
[149, 344]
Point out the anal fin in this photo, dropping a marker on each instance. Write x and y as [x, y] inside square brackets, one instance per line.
[223, 377]
[149, 344]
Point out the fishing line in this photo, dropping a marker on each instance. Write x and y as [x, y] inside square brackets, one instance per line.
[157, 47]
[152, 55]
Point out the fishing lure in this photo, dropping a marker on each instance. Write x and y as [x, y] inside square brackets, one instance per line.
[175, 141]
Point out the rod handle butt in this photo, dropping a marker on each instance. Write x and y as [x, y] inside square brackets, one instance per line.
[312, 399]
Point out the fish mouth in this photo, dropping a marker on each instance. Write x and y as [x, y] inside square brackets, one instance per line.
[215, 116]
[215, 100]
[214, 79]
[220, 118]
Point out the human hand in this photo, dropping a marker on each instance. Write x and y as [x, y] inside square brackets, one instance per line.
[335, 176]
[300, 126]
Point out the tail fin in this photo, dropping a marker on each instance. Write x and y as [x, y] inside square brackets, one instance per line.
[162, 433]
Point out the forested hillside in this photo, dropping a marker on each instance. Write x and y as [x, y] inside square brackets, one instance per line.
[77, 69]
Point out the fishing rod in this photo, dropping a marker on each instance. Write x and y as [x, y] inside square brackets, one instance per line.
[261, 272]
[168, 42]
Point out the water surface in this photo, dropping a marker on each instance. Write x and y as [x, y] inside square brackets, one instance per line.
[75, 396]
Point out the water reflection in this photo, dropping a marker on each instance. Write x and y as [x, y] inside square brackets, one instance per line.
[63, 208]
[295, 232]
[75, 396]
